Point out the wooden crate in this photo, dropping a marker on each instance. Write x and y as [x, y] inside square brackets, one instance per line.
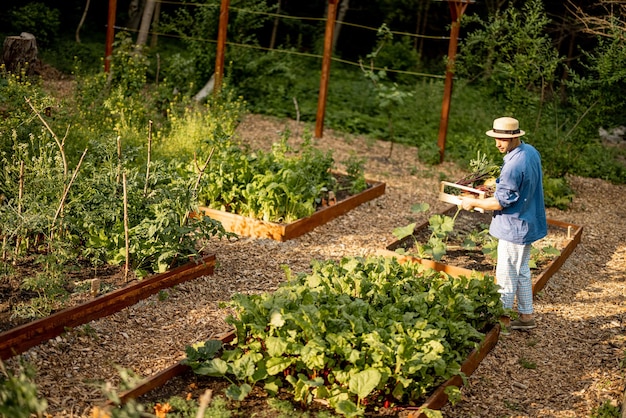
[455, 199]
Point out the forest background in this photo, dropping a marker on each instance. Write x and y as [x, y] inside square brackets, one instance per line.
[556, 66]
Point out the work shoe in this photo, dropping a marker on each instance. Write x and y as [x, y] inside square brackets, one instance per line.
[523, 325]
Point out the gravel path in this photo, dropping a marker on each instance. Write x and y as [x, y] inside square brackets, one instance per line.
[566, 367]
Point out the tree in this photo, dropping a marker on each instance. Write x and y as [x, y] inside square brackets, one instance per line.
[599, 85]
[512, 55]
[344, 6]
[605, 19]
[146, 21]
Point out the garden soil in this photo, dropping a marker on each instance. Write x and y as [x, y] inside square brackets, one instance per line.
[569, 366]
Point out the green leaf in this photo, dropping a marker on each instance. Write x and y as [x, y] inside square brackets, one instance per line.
[276, 319]
[246, 365]
[404, 231]
[420, 207]
[216, 368]
[276, 346]
[272, 387]
[438, 249]
[454, 394]
[276, 365]
[550, 250]
[364, 382]
[347, 408]
[431, 413]
[238, 393]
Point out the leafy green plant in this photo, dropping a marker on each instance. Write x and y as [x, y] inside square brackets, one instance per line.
[283, 185]
[527, 364]
[482, 176]
[539, 255]
[440, 226]
[36, 18]
[606, 410]
[129, 409]
[353, 331]
[390, 95]
[557, 193]
[354, 168]
[18, 392]
[512, 54]
[442, 229]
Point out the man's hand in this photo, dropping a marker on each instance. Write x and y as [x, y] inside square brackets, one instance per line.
[467, 203]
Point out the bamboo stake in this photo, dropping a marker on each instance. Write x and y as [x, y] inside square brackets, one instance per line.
[201, 170]
[145, 187]
[205, 400]
[4, 248]
[119, 160]
[66, 191]
[20, 195]
[60, 143]
[126, 240]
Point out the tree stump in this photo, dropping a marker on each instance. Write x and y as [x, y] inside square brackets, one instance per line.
[20, 53]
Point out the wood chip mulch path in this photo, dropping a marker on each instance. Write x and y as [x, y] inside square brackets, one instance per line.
[567, 367]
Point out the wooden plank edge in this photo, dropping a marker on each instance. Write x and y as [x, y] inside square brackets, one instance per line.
[328, 213]
[556, 263]
[439, 398]
[160, 378]
[19, 339]
[453, 271]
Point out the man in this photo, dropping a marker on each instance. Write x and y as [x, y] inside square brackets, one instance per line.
[519, 217]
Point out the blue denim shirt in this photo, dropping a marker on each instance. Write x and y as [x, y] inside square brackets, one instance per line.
[519, 190]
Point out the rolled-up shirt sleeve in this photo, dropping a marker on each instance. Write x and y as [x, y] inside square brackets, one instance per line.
[507, 192]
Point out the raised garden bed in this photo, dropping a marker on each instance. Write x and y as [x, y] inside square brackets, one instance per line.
[459, 261]
[179, 381]
[148, 388]
[21, 338]
[256, 228]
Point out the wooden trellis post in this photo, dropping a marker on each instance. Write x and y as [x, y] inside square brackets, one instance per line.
[457, 9]
[110, 35]
[328, 50]
[221, 45]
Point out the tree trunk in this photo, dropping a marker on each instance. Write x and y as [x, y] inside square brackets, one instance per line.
[20, 53]
[275, 27]
[135, 8]
[420, 26]
[155, 22]
[146, 21]
[82, 20]
[344, 5]
[206, 90]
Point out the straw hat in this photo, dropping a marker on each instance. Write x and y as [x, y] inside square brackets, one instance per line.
[505, 128]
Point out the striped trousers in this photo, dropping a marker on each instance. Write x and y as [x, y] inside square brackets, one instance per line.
[513, 276]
